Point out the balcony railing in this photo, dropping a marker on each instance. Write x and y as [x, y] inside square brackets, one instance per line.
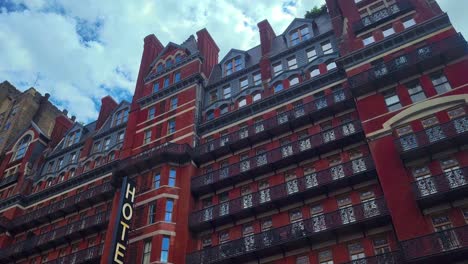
[447, 186]
[446, 243]
[293, 235]
[89, 255]
[278, 124]
[382, 15]
[276, 158]
[62, 207]
[9, 180]
[433, 139]
[409, 64]
[263, 200]
[154, 155]
[386, 258]
[55, 237]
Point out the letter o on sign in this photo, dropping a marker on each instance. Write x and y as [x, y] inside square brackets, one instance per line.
[127, 211]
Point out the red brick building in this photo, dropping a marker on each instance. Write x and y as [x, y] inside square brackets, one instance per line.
[340, 140]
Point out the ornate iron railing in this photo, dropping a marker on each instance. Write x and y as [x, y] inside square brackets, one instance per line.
[9, 180]
[442, 242]
[288, 189]
[442, 183]
[303, 145]
[382, 15]
[386, 258]
[299, 230]
[83, 256]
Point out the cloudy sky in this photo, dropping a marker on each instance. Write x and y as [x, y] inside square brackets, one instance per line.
[81, 50]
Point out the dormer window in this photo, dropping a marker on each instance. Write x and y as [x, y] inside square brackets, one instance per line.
[233, 65]
[299, 35]
[73, 138]
[121, 117]
[22, 147]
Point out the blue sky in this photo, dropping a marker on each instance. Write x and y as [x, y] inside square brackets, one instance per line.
[80, 51]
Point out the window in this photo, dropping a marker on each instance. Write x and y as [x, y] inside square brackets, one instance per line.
[160, 67]
[327, 47]
[223, 237]
[176, 77]
[392, 100]
[111, 156]
[302, 260]
[147, 137]
[121, 136]
[206, 242]
[226, 92]
[172, 177]
[213, 96]
[168, 63]
[299, 35]
[293, 81]
[178, 58]
[311, 54]
[146, 253]
[73, 138]
[224, 109]
[171, 126]
[22, 146]
[165, 249]
[73, 157]
[331, 66]
[166, 82]
[60, 164]
[151, 112]
[325, 257]
[244, 83]
[121, 117]
[257, 97]
[356, 251]
[169, 209]
[388, 31]
[292, 63]
[157, 180]
[381, 245]
[97, 147]
[210, 115]
[277, 68]
[107, 142]
[278, 87]
[152, 213]
[173, 104]
[72, 173]
[454, 113]
[155, 87]
[242, 102]
[416, 92]
[257, 78]
[367, 40]
[233, 65]
[314, 72]
[440, 83]
[408, 22]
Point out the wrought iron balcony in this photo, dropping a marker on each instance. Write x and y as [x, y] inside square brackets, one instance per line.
[6, 181]
[55, 237]
[317, 228]
[439, 247]
[382, 15]
[285, 155]
[386, 258]
[298, 189]
[62, 207]
[407, 65]
[154, 155]
[434, 139]
[327, 105]
[448, 186]
[89, 255]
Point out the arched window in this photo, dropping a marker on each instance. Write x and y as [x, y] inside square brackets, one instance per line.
[210, 115]
[331, 66]
[293, 80]
[314, 72]
[86, 166]
[278, 87]
[49, 182]
[160, 67]
[61, 177]
[178, 58]
[242, 102]
[257, 97]
[111, 156]
[121, 117]
[22, 147]
[73, 138]
[97, 162]
[169, 63]
[72, 173]
[224, 109]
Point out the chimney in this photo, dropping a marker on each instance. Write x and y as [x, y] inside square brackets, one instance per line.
[107, 106]
[266, 36]
[73, 118]
[47, 96]
[208, 48]
[65, 112]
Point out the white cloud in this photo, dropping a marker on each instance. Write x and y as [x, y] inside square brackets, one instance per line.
[40, 44]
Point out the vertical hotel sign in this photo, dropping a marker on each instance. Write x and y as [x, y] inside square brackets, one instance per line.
[123, 221]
